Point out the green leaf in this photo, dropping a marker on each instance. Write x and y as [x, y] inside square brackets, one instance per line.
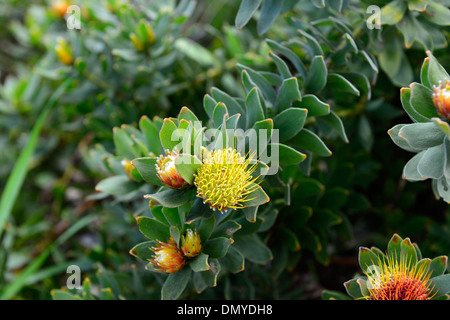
[142, 250]
[169, 135]
[410, 171]
[333, 121]
[443, 125]
[438, 266]
[309, 240]
[209, 104]
[422, 100]
[308, 140]
[402, 143]
[447, 158]
[257, 197]
[408, 251]
[173, 216]
[313, 45]
[199, 210]
[116, 185]
[367, 258]
[151, 135]
[231, 103]
[393, 12]
[289, 54]
[153, 229]
[422, 135]
[353, 289]
[62, 295]
[199, 263]
[409, 30]
[245, 12]
[234, 261]
[172, 198]
[124, 144]
[315, 106]
[440, 285]
[187, 165]
[269, 12]
[255, 110]
[431, 165]
[253, 249]
[317, 75]
[405, 97]
[261, 82]
[193, 50]
[283, 69]
[338, 82]
[289, 92]
[290, 122]
[219, 113]
[286, 154]
[188, 115]
[226, 229]
[329, 294]
[175, 284]
[147, 169]
[435, 71]
[437, 13]
[206, 227]
[394, 246]
[217, 247]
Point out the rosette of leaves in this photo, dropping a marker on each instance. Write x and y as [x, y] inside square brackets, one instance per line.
[399, 273]
[123, 181]
[311, 80]
[408, 24]
[428, 136]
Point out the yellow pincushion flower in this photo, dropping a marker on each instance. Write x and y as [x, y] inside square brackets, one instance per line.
[167, 257]
[399, 279]
[225, 179]
[441, 99]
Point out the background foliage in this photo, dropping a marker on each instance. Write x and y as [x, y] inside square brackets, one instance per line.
[67, 125]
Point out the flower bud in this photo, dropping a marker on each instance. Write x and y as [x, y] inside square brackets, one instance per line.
[167, 171]
[167, 257]
[131, 171]
[63, 52]
[60, 8]
[441, 99]
[191, 244]
[137, 42]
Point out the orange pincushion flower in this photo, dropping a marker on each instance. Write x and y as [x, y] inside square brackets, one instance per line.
[167, 171]
[441, 99]
[167, 257]
[399, 279]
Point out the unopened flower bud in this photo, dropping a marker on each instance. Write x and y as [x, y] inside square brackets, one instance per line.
[167, 257]
[167, 171]
[191, 243]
